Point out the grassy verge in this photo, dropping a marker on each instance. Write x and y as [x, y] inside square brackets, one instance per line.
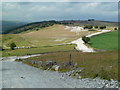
[101, 64]
[45, 49]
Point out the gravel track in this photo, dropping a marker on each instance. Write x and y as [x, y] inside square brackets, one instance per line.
[80, 43]
[19, 75]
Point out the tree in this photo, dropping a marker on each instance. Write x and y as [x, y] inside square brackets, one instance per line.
[91, 19]
[12, 46]
[102, 27]
[96, 26]
[88, 27]
[115, 28]
[85, 39]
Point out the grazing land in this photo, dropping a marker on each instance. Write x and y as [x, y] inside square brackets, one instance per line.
[43, 49]
[53, 42]
[107, 41]
[100, 64]
[49, 39]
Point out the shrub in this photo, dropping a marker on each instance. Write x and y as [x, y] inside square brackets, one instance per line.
[88, 27]
[86, 39]
[12, 46]
[102, 27]
[96, 26]
[115, 28]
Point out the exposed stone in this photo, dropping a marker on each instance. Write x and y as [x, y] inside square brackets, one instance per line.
[50, 63]
[56, 67]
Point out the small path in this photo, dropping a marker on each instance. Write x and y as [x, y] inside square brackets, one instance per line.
[80, 43]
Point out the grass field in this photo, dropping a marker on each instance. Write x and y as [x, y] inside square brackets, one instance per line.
[52, 35]
[107, 41]
[44, 49]
[101, 64]
[50, 39]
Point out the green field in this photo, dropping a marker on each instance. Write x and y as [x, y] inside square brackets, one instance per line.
[107, 41]
[38, 50]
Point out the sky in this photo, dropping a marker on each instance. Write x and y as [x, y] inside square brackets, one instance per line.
[40, 11]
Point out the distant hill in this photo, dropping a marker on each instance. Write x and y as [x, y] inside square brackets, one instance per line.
[32, 26]
[5, 26]
[86, 22]
[39, 25]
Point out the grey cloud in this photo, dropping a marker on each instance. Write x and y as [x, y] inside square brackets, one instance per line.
[37, 11]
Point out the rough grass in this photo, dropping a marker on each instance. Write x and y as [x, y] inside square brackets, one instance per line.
[107, 41]
[44, 49]
[52, 35]
[7, 39]
[101, 64]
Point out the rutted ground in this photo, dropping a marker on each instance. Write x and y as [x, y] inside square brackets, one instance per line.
[19, 75]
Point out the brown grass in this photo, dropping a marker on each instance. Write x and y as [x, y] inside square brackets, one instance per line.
[102, 64]
[50, 34]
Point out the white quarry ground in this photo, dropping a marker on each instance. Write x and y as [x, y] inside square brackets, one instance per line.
[80, 43]
[19, 75]
[75, 28]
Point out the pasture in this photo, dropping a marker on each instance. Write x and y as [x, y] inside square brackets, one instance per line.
[106, 41]
[100, 64]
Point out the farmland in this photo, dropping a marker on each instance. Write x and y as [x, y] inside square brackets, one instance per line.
[107, 41]
[101, 64]
[54, 42]
[50, 39]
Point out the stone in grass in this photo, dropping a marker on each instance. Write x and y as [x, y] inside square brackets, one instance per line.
[55, 67]
[50, 63]
[32, 62]
[79, 77]
[39, 63]
[67, 64]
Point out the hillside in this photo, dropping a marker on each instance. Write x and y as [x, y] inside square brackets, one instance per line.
[86, 22]
[39, 25]
[50, 39]
[6, 26]
[32, 26]
[53, 35]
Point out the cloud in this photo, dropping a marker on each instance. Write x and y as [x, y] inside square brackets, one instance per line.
[60, 0]
[34, 11]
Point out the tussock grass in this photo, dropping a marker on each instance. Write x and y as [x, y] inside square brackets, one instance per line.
[52, 35]
[101, 64]
[21, 52]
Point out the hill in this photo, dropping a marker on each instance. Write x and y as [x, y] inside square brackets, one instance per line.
[39, 25]
[50, 39]
[6, 26]
[31, 26]
[86, 22]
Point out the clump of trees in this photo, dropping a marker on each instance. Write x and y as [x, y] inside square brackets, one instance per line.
[115, 29]
[96, 27]
[12, 46]
[34, 25]
[1, 49]
[85, 39]
[91, 19]
[102, 27]
[88, 27]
